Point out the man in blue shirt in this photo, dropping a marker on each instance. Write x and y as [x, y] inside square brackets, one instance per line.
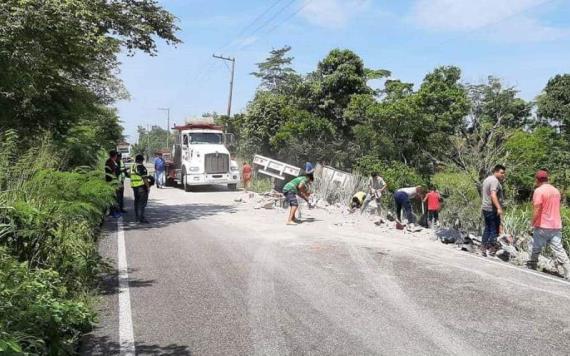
[159, 167]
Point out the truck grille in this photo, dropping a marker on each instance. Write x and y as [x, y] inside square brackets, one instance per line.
[217, 163]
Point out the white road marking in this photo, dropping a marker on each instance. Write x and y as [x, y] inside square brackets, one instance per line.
[422, 253]
[521, 269]
[126, 334]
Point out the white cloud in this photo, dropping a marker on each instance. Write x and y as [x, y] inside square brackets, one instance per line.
[511, 20]
[332, 13]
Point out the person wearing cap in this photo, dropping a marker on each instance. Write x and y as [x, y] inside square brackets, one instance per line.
[547, 223]
[297, 187]
[492, 209]
[141, 187]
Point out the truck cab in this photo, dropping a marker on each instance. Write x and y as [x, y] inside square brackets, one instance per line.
[200, 157]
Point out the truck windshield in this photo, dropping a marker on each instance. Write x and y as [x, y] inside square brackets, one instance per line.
[209, 138]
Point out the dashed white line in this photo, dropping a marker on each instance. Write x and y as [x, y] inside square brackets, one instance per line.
[126, 334]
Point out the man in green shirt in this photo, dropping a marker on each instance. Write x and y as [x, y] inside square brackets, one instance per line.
[297, 186]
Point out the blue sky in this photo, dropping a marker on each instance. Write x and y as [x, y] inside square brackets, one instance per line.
[523, 42]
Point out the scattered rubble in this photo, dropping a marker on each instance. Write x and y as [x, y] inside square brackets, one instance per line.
[509, 249]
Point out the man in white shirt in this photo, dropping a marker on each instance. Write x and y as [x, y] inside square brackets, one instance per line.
[402, 199]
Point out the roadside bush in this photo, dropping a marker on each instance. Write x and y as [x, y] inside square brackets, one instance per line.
[49, 222]
[396, 174]
[38, 315]
[517, 223]
[261, 184]
[566, 228]
[462, 203]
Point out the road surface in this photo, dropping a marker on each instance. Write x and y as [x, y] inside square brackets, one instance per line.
[210, 276]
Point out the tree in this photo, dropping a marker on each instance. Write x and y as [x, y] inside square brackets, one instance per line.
[59, 58]
[264, 116]
[151, 141]
[276, 73]
[554, 102]
[495, 113]
[495, 105]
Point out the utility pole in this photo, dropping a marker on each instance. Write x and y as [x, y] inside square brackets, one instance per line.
[233, 60]
[167, 126]
[148, 141]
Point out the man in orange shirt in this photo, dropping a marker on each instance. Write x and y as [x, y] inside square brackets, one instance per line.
[547, 223]
[246, 174]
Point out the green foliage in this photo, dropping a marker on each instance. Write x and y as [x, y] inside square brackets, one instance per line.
[150, 142]
[554, 103]
[275, 72]
[97, 130]
[59, 59]
[303, 137]
[48, 256]
[396, 174]
[462, 202]
[493, 104]
[261, 184]
[565, 214]
[529, 151]
[38, 314]
[264, 117]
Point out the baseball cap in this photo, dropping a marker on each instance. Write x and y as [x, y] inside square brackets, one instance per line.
[541, 175]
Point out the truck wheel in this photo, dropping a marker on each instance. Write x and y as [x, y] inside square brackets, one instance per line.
[232, 187]
[187, 187]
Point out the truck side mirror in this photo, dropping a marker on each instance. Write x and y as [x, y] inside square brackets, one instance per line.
[229, 139]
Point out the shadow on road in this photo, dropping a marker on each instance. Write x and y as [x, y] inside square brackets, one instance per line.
[109, 282]
[205, 189]
[104, 346]
[162, 215]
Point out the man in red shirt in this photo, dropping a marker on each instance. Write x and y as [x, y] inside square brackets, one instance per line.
[246, 174]
[546, 222]
[433, 200]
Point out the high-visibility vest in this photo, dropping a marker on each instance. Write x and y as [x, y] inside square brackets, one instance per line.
[136, 179]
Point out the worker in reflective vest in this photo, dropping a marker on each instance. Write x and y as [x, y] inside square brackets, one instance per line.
[141, 187]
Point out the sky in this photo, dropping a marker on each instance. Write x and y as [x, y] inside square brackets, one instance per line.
[523, 42]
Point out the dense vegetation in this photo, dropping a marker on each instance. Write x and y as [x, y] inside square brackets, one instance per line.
[444, 131]
[58, 66]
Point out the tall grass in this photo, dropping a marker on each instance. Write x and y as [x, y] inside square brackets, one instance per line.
[48, 255]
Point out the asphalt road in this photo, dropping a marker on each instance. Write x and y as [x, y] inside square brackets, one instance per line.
[210, 276]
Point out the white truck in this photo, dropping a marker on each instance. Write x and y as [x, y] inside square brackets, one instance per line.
[124, 148]
[200, 157]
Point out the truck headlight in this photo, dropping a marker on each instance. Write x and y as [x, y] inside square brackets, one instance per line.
[194, 169]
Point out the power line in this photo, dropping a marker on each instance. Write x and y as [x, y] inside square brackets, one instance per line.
[307, 2]
[206, 73]
[288, 4]
[257, 18]
[284, 20]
